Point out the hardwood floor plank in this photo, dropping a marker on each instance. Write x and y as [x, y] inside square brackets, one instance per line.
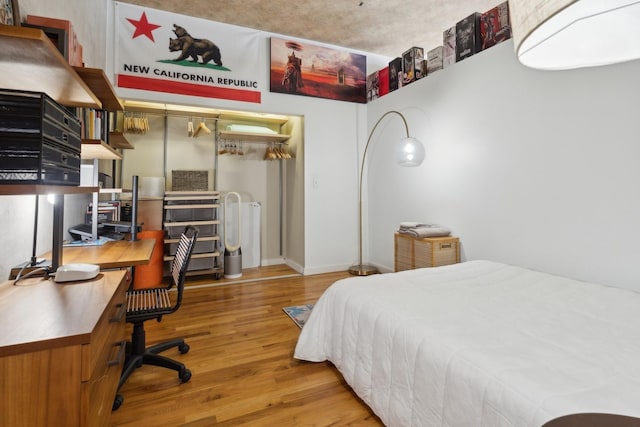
[241, 357]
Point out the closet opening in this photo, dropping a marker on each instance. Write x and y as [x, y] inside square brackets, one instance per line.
[185, 149]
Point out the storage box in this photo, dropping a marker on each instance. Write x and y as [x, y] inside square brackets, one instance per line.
[201, 247]
[411, 65]
[73, 50]
[495, 26]
[449, 47]
[411, 252]
[205, 228]
[39, 140]
[434, 60]
[468, 41]
[395, 74]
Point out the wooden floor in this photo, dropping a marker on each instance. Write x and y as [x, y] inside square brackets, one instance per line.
[241, 359]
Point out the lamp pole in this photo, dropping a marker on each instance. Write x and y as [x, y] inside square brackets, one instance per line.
[361, 269]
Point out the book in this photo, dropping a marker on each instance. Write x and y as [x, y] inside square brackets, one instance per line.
[373, 86]
[449, 46]
[383, 81]
[495, 26]
[434, 60]
[412, 64]
[423, 69]
[468, 41]
[395, 74]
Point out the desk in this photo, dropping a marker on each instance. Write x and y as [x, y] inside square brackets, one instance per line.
[61, 350]
[115, 254]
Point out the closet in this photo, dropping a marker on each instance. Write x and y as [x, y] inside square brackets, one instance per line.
[257, 155]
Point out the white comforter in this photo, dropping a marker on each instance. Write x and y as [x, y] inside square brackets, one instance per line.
[479, 344]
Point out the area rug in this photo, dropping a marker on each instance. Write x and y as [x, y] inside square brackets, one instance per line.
[298, 313]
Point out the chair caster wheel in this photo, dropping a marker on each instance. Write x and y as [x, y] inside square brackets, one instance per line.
[117, 402]
[185, 375]
[184, 348]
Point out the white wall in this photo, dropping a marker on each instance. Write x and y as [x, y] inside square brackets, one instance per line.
[528, 167]
[16, 212]
[534, 168]
[87, 17]
[331, 132]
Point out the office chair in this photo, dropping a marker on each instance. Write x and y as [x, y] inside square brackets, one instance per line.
[153, 303]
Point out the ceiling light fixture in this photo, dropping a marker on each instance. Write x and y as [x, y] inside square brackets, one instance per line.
[567, 34]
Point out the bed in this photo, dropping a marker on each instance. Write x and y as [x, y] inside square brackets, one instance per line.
[479, 344]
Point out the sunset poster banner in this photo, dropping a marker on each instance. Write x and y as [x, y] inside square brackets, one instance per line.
[312, 70]
[160, 51]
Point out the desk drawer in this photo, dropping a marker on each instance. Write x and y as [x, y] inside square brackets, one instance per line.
[109, 332]
[104, 359]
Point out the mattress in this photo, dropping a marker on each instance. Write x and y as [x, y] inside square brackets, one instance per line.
[479, 344]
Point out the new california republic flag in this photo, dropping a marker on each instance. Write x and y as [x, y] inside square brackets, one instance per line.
[159, 51]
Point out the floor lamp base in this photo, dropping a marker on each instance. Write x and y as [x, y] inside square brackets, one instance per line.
[363, 270]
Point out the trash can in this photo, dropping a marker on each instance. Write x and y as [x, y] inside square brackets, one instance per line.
[150, 275]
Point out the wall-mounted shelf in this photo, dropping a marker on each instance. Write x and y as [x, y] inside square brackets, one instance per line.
[253, 136]
[100, 85]
[118, 140]
[30, 61]
[37, 189]
[97, 149]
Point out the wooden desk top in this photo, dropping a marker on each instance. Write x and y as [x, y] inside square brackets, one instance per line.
[115, 254]
[39, 313]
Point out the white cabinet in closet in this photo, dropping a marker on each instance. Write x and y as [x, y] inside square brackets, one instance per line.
[200, 209]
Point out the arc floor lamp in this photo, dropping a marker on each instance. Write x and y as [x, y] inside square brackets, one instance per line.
[408, 152]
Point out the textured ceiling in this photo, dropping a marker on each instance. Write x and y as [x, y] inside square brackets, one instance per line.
[384, 27]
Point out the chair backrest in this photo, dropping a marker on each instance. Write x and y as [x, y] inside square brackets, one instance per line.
[181, 260]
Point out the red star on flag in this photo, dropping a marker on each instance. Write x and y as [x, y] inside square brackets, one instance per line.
[143, 27]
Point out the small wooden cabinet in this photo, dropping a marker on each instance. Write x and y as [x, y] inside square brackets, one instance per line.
[412, 252]
[62, 347]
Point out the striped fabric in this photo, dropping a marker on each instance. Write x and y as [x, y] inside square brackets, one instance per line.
[158, 300]
[145, 300]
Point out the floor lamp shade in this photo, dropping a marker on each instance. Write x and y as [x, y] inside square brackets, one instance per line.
[567, 34]
[408, 152]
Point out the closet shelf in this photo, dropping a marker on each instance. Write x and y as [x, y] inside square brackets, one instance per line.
[201, 112]
[30, 61]
[253, 137]
[253, 117]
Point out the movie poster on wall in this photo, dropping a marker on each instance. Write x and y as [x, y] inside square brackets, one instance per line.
[310, 70]
[159, 51]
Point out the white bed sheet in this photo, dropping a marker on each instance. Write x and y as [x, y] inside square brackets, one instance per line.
[479, 344]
